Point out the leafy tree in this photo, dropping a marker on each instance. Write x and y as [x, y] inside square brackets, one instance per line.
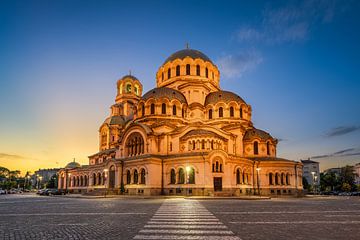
[52, 183]
[347, 175]
[4, 172]
[329, 181]
[305, 183]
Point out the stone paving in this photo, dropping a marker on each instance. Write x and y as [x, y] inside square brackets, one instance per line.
[40, 217]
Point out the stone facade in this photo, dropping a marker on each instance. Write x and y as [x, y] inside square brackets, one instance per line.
[184, 137]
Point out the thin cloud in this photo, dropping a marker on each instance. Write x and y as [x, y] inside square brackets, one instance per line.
[342, 153]
[291, 23]
[342, 130]
[235, 65]
[10, 156]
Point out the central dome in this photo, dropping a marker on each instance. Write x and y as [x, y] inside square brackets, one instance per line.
[194, 54]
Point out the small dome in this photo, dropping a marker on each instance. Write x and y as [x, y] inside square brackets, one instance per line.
[129, 76]
[116, 120]
[165, 92]
[73, 165]
[201, 132]
[187, 53]
[257, 133]
[225, 96]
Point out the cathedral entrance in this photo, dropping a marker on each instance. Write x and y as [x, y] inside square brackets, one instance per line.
[112, 177]
[217, 184]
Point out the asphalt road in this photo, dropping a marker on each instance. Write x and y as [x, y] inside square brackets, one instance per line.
[40, 217]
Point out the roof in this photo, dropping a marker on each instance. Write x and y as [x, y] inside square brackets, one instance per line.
[129, 76]
[308, 161]
[165, 92]
[256, 133]
[106, 151]
[201, 132]
[73, 165]
[192, 53]
[225, 96]
[269, 159]
[116, 120]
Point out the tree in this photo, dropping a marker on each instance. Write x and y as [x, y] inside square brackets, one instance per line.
[347, 175]
[328, 181]
[4, 172]
[52, 183]
[305, 183]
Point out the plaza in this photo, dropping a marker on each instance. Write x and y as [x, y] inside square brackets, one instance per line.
[35, 217]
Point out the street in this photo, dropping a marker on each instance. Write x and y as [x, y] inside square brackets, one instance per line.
[40, 217]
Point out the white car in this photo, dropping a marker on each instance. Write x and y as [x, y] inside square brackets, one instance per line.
[2, 191]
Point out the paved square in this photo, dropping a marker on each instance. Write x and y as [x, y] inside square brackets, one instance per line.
[35, 217]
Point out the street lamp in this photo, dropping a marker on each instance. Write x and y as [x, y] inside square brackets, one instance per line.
[105, 180]
[258, 180]
[40, 178]
[187, 178]
[313, 181]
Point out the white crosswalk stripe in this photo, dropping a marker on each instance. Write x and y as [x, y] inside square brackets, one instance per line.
[185, 219]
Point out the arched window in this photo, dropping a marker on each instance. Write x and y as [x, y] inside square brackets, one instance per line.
[287, 179]
[241, 113]
[282, 179]
[134, 144]
[169, 73]
[174, 110]
[128, 88]
[103, 178]
[136, 176]
[193, 142]
[162, 76]
[187, 69]
[198, 70]
[181, 179]
[256, 148]
[183, 112]
[128, 177]
[94, 179]
[177, 70]
[86, 181]
[152, 108]
[238, 176]
[268, 148]
[143, 110]
[271, 179]
[231, 111]
[206, 72]
[216, 166]
[191, 176]
[99, 179]
[221, 114]
[142, 176]
[172, 176]
[163, 108]
[203, 144]
[210, 114]
[212, 144]
[276, 179]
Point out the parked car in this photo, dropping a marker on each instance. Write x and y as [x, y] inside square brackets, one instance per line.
[56, 192]
[2, 191]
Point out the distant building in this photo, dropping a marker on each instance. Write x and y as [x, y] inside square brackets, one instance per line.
[357, 172]
[43, 175]
[311, 171]
[337, 171]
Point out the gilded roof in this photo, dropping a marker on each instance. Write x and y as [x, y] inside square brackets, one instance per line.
[256, 133]
[164, 92]
[194, 54]
[225, 96]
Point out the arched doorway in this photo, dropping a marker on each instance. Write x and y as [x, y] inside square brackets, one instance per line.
[112, 177]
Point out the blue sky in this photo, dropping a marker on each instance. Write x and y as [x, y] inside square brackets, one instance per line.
[295, 62]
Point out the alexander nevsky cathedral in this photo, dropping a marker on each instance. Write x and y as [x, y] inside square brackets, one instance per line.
[187, 136]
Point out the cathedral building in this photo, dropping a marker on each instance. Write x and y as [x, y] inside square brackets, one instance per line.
[187, 136]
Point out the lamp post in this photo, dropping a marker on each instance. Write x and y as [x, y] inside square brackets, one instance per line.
[258, 180]
[187, 178]
[313, 181]
[105, 180]
[40, 179]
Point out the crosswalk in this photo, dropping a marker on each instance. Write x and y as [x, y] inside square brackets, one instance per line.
[184, 219]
